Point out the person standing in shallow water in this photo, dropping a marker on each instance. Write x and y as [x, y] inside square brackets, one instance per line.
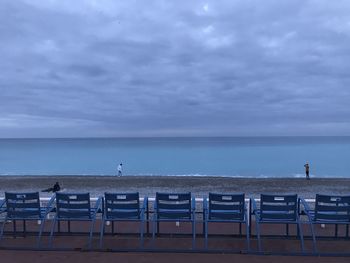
[307, 171]
[120, 169]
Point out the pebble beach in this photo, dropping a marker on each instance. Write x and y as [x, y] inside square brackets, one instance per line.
[199, 186]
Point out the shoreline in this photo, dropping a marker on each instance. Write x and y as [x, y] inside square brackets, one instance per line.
[198, 185]
[96, 176]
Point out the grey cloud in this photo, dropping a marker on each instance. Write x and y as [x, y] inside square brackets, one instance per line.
[87, 70]
[158, 68]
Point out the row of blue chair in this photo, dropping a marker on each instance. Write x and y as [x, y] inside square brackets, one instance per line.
[177, 207]
[174, 207]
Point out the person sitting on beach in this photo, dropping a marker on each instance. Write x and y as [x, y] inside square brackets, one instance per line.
[120, 169]
[307, 171]
[54, 189]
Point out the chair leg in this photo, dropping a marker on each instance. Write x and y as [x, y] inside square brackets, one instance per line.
[248, 235]
[91, 232]
[141, 233]
[206, 233]
[3, 228]
[301, 236]
[154, 225]
[52, 231]
[258, 234]
[102, 229]
[313, 237]
[14, 229]
[41, 231]
[193, 234]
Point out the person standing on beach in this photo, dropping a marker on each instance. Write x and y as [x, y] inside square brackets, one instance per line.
[307, 171]
[120, 169]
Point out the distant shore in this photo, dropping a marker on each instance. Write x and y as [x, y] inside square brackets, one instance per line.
[199, 186]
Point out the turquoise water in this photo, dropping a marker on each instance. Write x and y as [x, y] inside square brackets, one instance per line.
[236, 156]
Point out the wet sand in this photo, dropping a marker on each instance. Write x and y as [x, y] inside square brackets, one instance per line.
[199, 186]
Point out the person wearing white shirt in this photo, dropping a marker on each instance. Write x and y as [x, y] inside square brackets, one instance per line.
[120, 169]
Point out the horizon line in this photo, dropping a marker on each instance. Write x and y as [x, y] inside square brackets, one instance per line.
[170, 137]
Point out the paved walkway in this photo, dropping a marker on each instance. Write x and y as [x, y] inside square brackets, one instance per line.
[7, 256]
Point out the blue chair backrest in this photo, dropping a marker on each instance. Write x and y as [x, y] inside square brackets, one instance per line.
[226, 206]
[279, 207]
[122, 205]
[332, 208]
[173, 206]
[23, 205]
[73, 206]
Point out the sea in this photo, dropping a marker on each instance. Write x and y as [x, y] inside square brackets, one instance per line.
[260, 157]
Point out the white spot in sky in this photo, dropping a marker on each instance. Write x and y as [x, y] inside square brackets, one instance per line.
[206, 8]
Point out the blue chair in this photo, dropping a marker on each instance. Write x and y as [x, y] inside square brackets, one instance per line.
[174, 207]
[277, 209]
[123, 207]
[329, 209]
[225, 208]
[26, 207]
[75, 207]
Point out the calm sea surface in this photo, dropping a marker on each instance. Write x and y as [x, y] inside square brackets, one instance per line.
[235, 156]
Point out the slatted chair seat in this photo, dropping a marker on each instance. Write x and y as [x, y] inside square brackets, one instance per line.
[174, 207]
[179, 214]
[77, 215]
[329, 209]
[225, 208]
[222, 216]
[277, 209]
[75, 207]
[26, 207]
[124, 207]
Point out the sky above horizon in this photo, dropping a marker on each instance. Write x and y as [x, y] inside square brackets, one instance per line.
[87, 68]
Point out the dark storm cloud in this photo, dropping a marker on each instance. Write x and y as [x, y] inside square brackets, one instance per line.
[170, 68]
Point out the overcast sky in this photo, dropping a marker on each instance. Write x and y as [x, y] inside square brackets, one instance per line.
[174, 68]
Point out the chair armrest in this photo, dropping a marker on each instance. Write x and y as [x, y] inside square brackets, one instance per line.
[145, 203]
[255, 208]
[205, 208]
[98, 206]
[193, 204]
[155, 205]
[306, 206]
[50, 204]
[2, 205]
[193, 207]
[205, 204]
[155, 209]
[143, 208]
